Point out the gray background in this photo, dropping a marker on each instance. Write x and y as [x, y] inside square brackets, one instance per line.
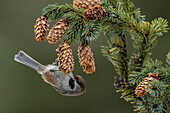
[22, 90]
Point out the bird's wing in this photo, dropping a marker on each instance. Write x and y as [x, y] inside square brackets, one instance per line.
[49, 78]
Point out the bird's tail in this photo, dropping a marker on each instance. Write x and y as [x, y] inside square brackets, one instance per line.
[25, 59]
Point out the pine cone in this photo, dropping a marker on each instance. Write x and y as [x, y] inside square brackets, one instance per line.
[141, 89]
[155, 76]
[86, 58]
[96, 12]
[65, 58]
[41, 28]
[58, 31]
[78, 4]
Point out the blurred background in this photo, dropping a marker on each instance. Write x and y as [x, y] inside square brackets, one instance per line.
[22, 90]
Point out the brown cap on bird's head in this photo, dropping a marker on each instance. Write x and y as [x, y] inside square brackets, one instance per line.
[154, 75]
[80, 80]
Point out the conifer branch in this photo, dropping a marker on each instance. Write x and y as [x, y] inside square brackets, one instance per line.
[142, 81]
[117, 53]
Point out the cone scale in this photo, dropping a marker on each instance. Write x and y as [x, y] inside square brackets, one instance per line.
[58, 31]
[40, 28]
[78, 4]
[141, 89]
[94, 13]
[65, 58]
[86, 58]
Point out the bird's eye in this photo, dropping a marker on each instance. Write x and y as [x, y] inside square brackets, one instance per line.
[71, 83]
[52, 70]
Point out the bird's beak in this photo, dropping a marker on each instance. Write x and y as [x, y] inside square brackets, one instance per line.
[74, 79]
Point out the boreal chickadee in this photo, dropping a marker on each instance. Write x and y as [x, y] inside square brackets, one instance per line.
[65, 84]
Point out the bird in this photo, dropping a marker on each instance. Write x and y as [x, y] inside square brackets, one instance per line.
[65, 84]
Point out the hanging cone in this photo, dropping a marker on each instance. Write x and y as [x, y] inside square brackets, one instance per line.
[58, 31]
[141, 89]
[40, 28]
[155, 76]
[96, 13]
[78, 4]
[65, 58]
[86, 58]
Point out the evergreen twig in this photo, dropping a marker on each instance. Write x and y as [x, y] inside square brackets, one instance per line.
[123, 20]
